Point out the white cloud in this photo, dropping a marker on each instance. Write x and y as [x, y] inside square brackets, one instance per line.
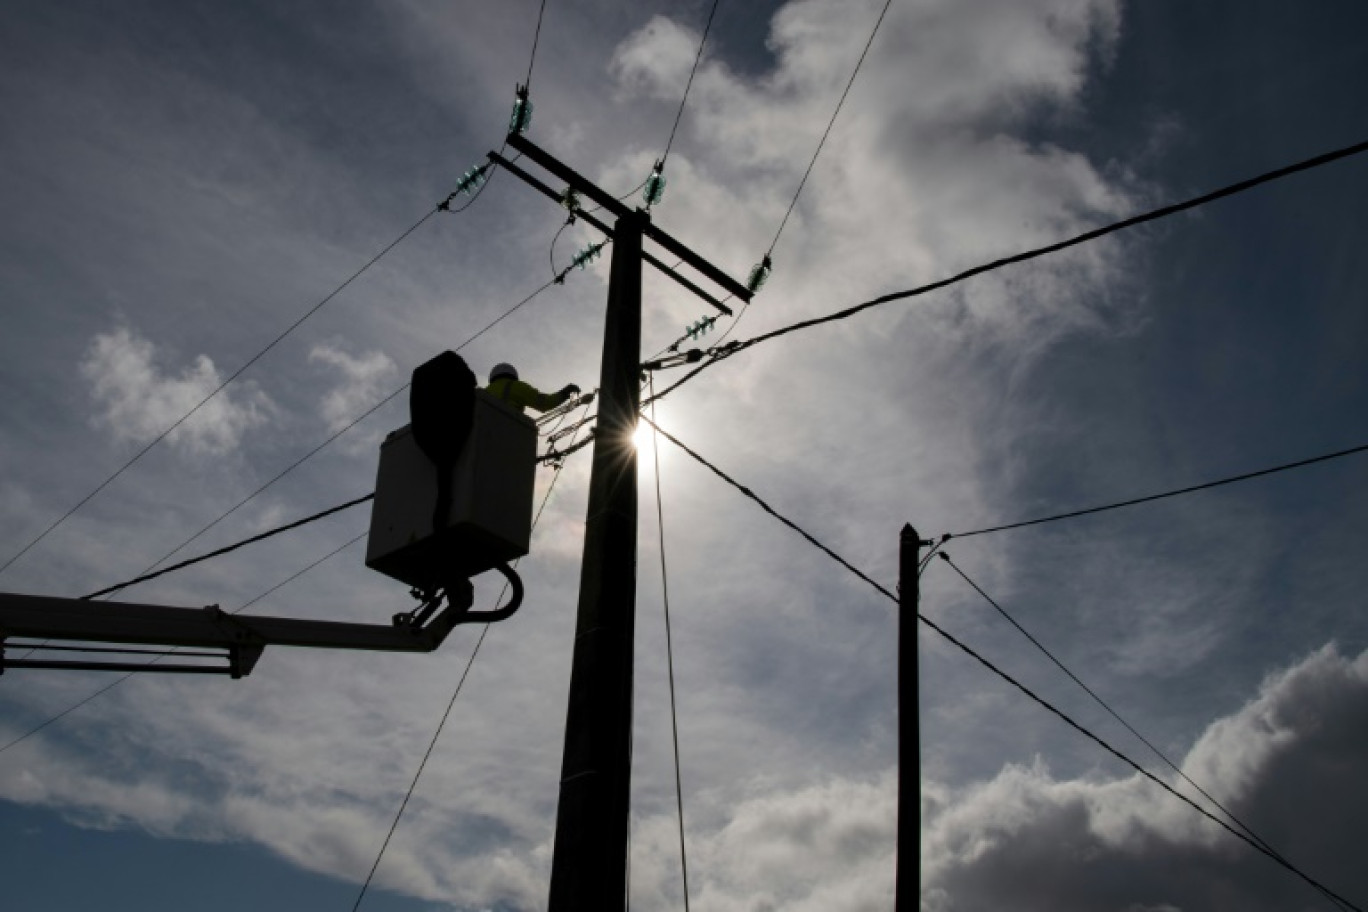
[366, 378]
[137, 399]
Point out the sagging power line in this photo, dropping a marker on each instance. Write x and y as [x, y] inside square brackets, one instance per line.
[1105, 705]
[463, 185]
[1150, 498]
[1045, 704]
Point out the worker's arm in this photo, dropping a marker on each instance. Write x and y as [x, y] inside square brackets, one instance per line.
[528, 396]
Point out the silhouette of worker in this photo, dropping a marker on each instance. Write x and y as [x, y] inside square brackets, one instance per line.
[505, 386]
[441, 412]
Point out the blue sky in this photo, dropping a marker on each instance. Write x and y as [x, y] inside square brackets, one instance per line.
[183, 181]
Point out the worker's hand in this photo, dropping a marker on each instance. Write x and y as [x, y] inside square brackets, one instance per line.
[570, 390]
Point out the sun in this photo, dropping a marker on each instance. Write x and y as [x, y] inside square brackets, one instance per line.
[642, 437]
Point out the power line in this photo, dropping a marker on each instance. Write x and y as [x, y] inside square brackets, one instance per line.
[117, 681]
[536, 38]
[792, 203]
[422, 764]
[1153, 215]
[1017, 684]
[680, 113]
[287, 470]
[1103, 703]
[830, 124]
[766, 507]
[669, 658]
[237, 373]
[233, 547]
[442, 722]
[353, 423]
[1285, 467]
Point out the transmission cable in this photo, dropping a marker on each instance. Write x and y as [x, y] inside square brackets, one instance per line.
[536, 38]
[1273, 470]
[669, 650]
[444, 206]
[117, 681]
[1153, 215]
[679, 114]
[1015, 683]
[353, 423]
[442, 722]
[261, 536]
[237, 373]
[1103, 703]
[830, 124]
[792, 203]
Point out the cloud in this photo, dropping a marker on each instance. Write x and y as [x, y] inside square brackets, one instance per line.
[365, 379]
[137, 399]
[1288, 764]
[928, 169]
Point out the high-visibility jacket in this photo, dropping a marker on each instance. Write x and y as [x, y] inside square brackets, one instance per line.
[520, 395]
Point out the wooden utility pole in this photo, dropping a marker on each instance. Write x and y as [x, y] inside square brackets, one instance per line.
[588, 869]
[908, 887]
[589, 862]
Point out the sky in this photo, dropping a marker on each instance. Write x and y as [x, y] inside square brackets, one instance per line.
[183, 181]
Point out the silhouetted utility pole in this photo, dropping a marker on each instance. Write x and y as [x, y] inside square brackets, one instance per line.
[589, 864]
[909, 724]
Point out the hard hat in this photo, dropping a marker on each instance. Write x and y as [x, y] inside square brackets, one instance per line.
[503, 369]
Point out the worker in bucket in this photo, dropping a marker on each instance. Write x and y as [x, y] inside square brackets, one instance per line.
[505, 386]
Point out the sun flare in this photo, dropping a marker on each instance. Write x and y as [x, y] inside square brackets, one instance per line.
[641, 437]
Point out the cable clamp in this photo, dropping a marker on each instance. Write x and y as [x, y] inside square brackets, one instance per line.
[692, 356]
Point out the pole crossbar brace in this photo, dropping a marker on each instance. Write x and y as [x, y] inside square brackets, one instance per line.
[241, 636]
[545, 189]
[611, 204]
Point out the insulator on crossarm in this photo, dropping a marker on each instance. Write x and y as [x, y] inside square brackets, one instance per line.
[521, 118]
[570, 200]
[759, 275]
[473, 179]
[587, 255]
[701, 327]
[655, 185]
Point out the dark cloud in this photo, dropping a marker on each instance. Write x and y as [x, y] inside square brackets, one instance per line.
[1289, 764]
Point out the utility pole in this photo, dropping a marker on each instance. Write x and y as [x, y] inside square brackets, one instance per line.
[596, 768]
[589, 862]
[908, 887]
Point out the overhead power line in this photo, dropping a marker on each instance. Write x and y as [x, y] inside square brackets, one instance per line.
[261, 536]
[336, 434]
[536, 39]
[669, 664]
[441, 724]
[237, 373]
[441, 207]
[1013, 681]
[687, 86]
[296, 575]
[117, 681]
[1191, 489]
[827, 132]
[720, 354]
[1103, 703]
